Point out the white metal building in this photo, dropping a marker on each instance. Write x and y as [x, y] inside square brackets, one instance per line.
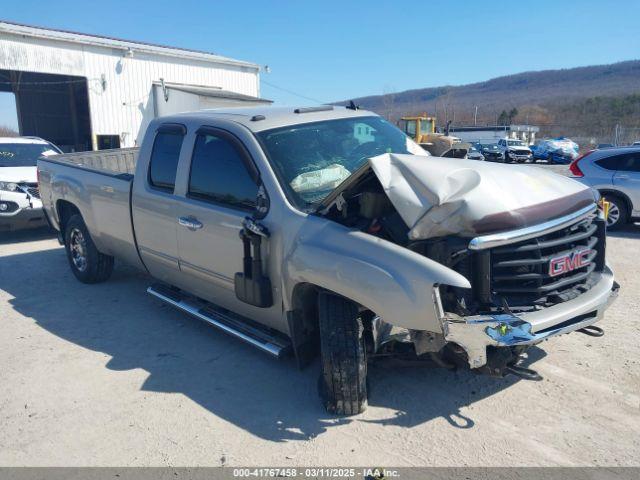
[526, 133]
[88, 92]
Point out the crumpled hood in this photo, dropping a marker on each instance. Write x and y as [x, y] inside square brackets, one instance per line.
[19, 174]
[438, 196]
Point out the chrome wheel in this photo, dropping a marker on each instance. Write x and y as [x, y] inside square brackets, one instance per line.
[78, 249]
[614, 214]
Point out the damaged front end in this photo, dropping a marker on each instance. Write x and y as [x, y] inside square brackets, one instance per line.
[531, 244]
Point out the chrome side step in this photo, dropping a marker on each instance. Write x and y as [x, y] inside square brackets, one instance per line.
[270, 341]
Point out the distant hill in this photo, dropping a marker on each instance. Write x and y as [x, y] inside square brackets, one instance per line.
[550, 98]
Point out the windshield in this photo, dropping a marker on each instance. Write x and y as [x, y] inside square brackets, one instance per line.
[489, 146]
[24, 154]
[515, 143]
[313, 159]
[426, 126]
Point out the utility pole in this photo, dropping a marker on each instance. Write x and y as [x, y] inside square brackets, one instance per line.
[475, 117]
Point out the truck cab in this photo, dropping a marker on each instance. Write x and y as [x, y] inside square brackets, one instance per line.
[422, 130]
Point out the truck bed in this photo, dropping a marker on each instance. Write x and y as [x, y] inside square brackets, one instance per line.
[116, 161]
[99, 185]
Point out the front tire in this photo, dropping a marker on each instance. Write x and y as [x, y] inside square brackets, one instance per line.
[618, 212]
[343, 381]
[86, 262]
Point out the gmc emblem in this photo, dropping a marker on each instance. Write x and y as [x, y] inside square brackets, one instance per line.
[569, 262]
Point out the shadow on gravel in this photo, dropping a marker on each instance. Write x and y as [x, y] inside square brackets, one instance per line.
[632, 230]
[29, 235]
[420, 393]
[268, 398]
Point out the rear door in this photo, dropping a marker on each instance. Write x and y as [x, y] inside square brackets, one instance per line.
[627, 179]
[153, 206]
[602, 176]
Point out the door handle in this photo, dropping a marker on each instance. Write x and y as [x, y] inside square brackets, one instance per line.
[622, 177]
[190, 222]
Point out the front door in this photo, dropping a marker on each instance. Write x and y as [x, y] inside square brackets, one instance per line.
[220, 193]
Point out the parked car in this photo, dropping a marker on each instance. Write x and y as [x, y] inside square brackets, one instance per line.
[289, 230]
[490, 150]
[615, 173]
[514, 150]
[556, 150]
[20, 205]
[474, 154]
[605, 145]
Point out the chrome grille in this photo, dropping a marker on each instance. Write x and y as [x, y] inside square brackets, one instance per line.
[520, 272]
[30, 189]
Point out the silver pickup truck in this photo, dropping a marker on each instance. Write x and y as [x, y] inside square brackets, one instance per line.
[328, 231]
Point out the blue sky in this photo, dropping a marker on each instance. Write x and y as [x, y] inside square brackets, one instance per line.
[333, 50]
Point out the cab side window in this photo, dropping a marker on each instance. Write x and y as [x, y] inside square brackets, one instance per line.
[164, 159]
[218, 174]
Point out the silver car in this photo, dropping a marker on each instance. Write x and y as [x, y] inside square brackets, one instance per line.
[615, 173]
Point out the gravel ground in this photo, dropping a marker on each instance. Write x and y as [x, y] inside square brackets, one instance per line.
[106, 375]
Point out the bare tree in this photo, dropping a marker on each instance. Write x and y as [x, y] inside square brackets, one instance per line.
[388, 100]
[6, 131]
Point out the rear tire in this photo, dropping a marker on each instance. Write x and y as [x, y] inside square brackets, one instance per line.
[86, 262]
[618, 212]
[343, 381]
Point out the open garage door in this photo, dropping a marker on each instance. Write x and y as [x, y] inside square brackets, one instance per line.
[53, 107]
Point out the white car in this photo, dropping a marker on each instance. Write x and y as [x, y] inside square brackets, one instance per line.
[20, 205]
[515, 150]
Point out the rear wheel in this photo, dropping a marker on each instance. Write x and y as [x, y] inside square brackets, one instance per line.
[86, 262]
[343, 385]
[618, 212]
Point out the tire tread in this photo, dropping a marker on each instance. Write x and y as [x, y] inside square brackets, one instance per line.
[344, 368]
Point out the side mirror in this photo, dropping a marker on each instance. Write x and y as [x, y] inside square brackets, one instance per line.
[251, 285]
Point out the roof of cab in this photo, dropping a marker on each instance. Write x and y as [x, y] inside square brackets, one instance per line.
[262, 118]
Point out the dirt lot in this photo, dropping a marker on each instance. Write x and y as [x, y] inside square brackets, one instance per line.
[106, 375]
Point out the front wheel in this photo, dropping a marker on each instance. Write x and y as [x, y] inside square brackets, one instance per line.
[343, 381]
[86, 262]
[618, 213]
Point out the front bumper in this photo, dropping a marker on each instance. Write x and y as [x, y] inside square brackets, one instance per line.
[520, 158]
[29, 216]
[476, 333]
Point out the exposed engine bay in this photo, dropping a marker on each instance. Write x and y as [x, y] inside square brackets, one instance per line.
[393, 197]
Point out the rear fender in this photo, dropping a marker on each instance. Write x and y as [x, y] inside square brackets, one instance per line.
[71, 190]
